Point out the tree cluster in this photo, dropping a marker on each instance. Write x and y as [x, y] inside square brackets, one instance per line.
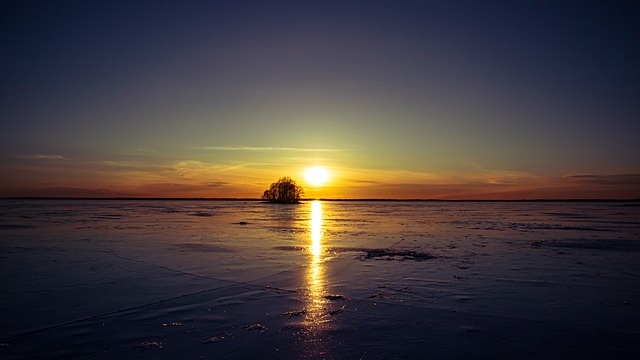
[283, 191]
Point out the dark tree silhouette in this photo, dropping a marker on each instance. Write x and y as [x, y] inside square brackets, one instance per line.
[283, 191]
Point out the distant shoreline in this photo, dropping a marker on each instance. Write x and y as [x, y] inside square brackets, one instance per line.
[312, 199]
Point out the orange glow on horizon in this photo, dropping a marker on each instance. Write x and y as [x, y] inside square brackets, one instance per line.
[54, 177]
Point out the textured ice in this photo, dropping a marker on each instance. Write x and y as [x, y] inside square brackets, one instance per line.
[221, 280]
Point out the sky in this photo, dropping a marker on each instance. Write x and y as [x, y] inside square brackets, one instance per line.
[395, 99]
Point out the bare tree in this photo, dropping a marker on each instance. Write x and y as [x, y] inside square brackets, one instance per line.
[283, 191]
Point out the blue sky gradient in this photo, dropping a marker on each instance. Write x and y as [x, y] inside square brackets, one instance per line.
[400, 99]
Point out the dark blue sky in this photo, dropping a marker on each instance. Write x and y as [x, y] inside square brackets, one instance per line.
[414, 94]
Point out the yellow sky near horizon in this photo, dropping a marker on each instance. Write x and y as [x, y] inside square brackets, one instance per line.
[58, 176]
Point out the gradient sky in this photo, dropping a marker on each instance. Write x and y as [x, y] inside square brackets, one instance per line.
[397, 99]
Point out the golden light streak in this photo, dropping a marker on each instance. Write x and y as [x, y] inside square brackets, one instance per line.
[315, 275]
[316, 229]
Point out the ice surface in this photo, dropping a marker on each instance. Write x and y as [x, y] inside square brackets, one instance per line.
[234, 279]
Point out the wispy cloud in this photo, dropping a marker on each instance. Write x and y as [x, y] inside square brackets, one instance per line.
[360, 181]
[191, 167]
[264, 148]
[218, 183]
[146, 150]
[615, 179]
[68, 191]
[42, 157]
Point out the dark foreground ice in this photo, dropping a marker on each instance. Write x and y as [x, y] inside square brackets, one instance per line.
[322, 280]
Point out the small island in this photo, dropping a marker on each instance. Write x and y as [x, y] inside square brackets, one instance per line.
[283, 191]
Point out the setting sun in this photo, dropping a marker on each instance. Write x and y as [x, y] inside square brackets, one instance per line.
[316, 175]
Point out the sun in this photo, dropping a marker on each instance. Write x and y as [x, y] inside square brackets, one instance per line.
[316, 175]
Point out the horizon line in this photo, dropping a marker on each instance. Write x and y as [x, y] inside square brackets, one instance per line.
[314, 199]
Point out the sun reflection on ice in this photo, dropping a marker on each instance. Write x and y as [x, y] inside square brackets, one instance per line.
[316, 229]
[319, 312]
[315, 274]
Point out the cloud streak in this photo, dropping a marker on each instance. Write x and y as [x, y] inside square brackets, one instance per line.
[265, 148]
[42, 157]
[615, 179]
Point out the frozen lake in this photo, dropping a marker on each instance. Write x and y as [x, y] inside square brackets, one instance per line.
[366, 280]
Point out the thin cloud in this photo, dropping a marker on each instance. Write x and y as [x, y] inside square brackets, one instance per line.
[70, 191]
[143, 150]
[195, 166]
[42, 157]
[218, 183]
[615, 179]
[264, 148]
[361, 181]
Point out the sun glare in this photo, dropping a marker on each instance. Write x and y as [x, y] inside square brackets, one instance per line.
[316, 175]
